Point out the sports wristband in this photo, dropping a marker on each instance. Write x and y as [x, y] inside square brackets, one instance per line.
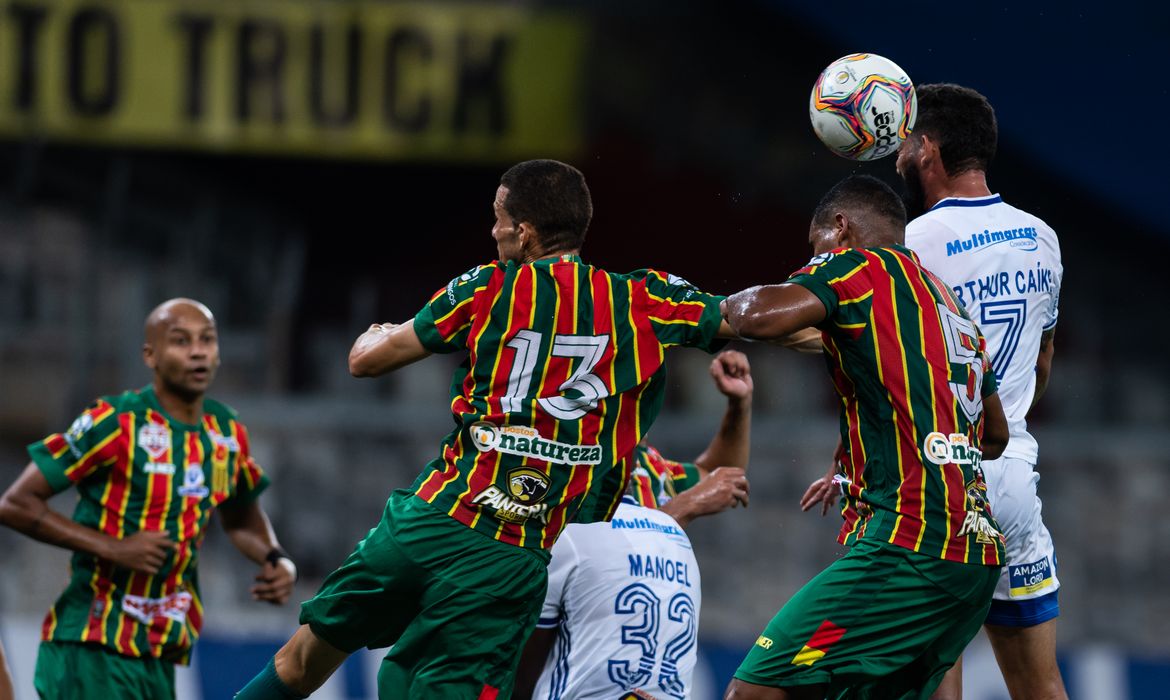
[276, 554]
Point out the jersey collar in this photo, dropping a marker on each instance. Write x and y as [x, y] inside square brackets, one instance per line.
[967, 201]
[151, 400]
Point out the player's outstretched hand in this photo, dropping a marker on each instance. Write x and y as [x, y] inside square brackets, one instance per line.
[275, 581]
[724, 487]
[144, 551]
[824, 490]
[732, 374]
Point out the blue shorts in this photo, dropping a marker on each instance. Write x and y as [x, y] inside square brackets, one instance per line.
[1024, 613]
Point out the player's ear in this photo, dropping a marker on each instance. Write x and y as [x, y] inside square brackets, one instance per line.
[928, 151]
[843, 231]
[148, 355]
[526, 234]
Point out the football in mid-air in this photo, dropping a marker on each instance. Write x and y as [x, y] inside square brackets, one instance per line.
[863, 106]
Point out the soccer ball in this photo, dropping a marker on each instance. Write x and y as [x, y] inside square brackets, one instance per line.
[863, 106]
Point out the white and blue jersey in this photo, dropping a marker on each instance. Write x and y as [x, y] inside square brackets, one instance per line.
[624, 597]
[1004, 265]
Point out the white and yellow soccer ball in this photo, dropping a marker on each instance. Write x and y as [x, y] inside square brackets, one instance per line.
[863, 106]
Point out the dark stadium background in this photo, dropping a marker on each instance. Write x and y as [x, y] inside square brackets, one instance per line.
[695, 140]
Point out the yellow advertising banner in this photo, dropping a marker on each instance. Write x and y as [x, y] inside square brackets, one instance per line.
[419, 81]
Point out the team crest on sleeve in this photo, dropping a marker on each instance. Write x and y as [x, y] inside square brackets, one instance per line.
[820, 259]
[79, 427]
[677, 281]
[469, 276]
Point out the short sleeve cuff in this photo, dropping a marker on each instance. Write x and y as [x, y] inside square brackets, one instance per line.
[428, 335]
[824, 292]
[53, 474]
[709, 324]
[243, 498]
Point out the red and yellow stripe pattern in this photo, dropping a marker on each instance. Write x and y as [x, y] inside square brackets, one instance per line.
[569, 351]
[886, 342]
[137, 470]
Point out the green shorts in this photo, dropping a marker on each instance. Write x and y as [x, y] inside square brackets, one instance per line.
[75, 671]
[456, 605]
[880, 612]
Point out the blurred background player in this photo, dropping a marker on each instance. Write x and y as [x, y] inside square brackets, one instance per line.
[640, 566]
[1004, 265]
[150, 466]
[916, 394]
[564, 375]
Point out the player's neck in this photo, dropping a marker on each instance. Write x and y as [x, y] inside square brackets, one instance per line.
[970, 183]
[545, 255]
[182, 409]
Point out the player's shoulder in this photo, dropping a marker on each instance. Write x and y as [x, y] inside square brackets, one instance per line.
[653, 275]
[478, 274]
[938, 226]
[219, 409]
[833, 261]
[1041, 231]
[129, 401]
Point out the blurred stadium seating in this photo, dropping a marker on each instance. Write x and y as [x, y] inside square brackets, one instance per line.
[690, 124]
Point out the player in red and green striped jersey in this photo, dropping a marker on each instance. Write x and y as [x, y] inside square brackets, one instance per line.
[582, 590]
[149, 466]
[918, 413]
[564, 374]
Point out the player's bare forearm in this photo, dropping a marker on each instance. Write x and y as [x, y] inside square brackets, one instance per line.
[773, 312]
[383, 348]
[25, 508]
[249, 529]
[725, 487]
[1044, 363]
[731, 444]
[995, 428]
[251, 532]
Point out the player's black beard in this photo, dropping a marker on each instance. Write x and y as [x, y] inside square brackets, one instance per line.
[913, 196]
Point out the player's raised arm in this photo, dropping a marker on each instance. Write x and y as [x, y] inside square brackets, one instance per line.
[772, 312]
[383, 348]
[731, 444]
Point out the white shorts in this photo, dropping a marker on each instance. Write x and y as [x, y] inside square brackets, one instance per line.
[1030, 572]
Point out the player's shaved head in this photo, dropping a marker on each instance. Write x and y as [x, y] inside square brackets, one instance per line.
[166, 313]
